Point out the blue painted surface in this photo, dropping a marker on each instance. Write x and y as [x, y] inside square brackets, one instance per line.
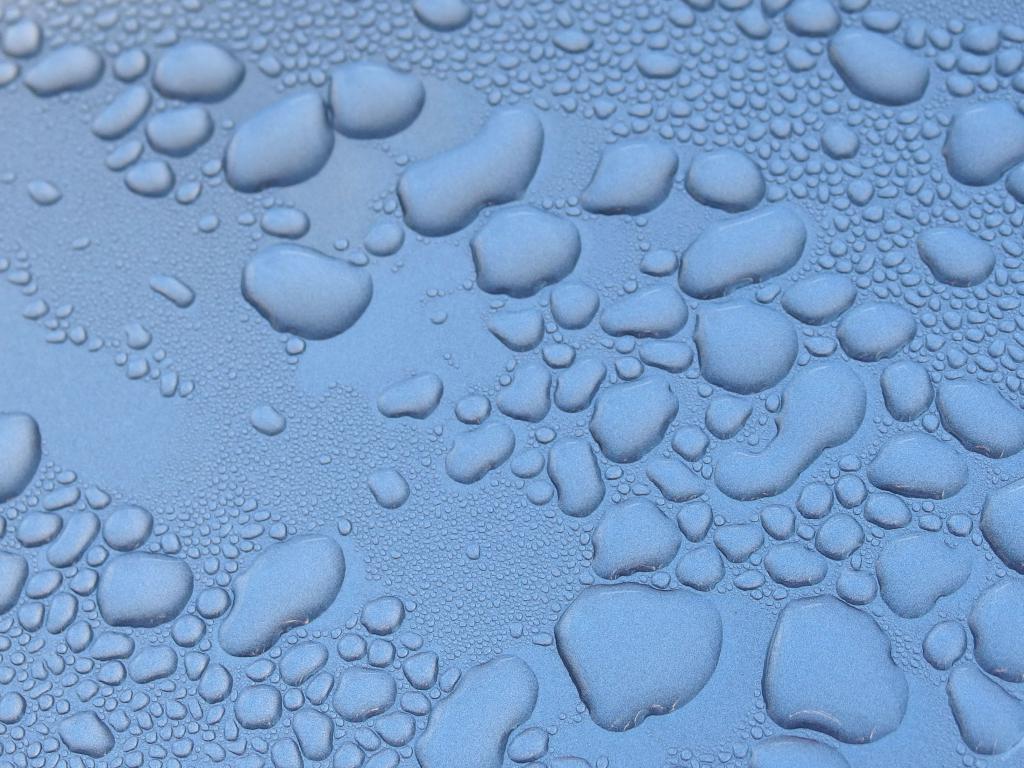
[459, 384]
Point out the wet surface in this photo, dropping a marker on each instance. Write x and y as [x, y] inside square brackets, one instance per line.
[574, 385]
